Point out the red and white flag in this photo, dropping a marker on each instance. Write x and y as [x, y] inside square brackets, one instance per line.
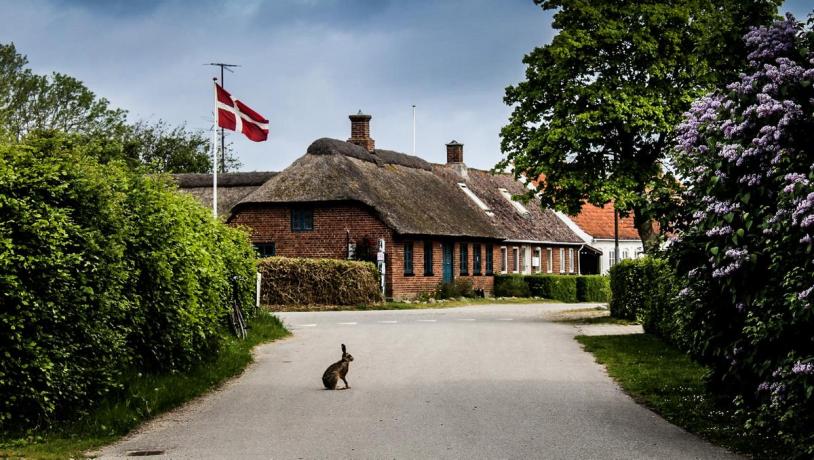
[237, 116]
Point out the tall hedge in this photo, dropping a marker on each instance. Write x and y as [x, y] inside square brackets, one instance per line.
[565, 288]
[103, 270]
[645, 290]
[296, 281]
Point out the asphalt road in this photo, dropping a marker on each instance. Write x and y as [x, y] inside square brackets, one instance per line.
[475, 382]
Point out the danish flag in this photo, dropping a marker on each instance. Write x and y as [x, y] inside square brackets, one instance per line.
[237, 116]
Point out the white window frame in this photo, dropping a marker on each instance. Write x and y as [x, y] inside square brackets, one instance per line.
[550, 260]
[571, 260]
[611, 258]
[515, 259]
[504, 260]
[539, 254]
[562, 260]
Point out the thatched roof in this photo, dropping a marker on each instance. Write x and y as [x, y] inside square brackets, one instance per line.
[232, 187]
[539, 225]
[402, 189]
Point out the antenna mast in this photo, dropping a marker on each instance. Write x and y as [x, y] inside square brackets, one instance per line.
[222, 66]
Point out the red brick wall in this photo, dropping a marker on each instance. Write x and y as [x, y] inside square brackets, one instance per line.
[272, 224]
[408, 287]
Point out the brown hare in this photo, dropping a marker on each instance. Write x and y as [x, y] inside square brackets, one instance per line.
[336, 371]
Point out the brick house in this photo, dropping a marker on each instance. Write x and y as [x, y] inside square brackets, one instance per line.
[438, 222]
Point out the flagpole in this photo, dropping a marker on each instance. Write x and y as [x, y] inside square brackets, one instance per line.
[413, 129]
[215, 158]
[215, 169]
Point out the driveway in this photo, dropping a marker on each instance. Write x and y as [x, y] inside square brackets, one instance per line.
[492, 381]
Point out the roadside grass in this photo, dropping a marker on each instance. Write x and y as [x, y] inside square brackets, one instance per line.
[595, 315]
[667, 381]
[413, 305]
[144, 397]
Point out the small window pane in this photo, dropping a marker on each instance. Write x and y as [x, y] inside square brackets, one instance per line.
[427, 258]
[464, 259]
[408, 258]
[489, 255]
[476, 261]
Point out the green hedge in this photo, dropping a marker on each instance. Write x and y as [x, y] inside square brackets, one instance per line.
[295, 281]
[103, 271]
[644, 290]
[565, 288]
[511, 286]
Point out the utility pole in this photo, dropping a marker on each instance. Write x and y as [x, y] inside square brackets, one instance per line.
[222, 133]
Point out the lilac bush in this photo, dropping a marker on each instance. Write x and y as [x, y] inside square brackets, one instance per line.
[743, 240]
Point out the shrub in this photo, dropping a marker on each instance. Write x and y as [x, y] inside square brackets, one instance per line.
[511, 286]
[744, 235]
[557, 287]
[644, 290]
[593, 288]
[102, 271]
[461, 287]
[288, 281]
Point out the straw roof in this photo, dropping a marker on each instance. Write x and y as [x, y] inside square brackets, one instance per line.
[402, 189]
[232, 187]
[538, 224]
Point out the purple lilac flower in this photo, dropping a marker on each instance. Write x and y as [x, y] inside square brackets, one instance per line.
[792, 180]
[805, 294]
[801, 368]
[720, 231]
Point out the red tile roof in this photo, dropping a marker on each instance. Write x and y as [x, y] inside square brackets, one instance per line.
[598, 222]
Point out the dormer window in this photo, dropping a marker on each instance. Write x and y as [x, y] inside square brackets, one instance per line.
[475, 199]
[517, 205]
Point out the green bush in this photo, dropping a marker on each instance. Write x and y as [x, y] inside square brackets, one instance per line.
[557, 287]
[295, 281]
[644, 290]
[461, 287]
[102, 271]
[511, 286]
[593, 288]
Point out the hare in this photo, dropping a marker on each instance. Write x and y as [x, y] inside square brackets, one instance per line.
[336, 371]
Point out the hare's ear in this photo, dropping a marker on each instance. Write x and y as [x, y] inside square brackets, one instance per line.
[343, 348]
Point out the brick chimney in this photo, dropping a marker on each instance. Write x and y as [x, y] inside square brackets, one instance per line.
[455, 152]
[360, 131]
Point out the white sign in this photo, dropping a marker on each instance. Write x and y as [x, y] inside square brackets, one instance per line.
[380, 257]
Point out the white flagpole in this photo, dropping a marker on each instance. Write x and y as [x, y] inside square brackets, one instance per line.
[215, 168]
[413, 129]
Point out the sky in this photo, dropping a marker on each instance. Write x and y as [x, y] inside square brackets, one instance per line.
[304, 64]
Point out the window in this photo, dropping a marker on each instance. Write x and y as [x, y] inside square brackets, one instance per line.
[562, 260]
[611, 258]
[302, 220]
[504, 263]
[408, 259]
[515, 259]
[522, 259]
[464, 258]
[476, 259]
[517, 205]
[475, 199]
[265, 249]
[549, 260]
[489, 255]
[571, 260]
[428, 258]
[537, 261]
[624, 255]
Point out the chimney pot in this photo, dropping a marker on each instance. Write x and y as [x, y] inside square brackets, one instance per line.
[360, 131]
[455, 152]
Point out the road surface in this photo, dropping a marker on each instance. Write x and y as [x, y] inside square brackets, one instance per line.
[492, 381]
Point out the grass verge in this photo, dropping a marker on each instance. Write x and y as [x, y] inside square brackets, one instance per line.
[667, 381]
[144, 397]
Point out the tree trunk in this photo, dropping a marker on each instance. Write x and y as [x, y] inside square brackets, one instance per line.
[646, 227]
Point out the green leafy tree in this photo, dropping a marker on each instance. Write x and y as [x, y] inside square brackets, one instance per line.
[164, 148]
[31, 103]
[597, 111]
